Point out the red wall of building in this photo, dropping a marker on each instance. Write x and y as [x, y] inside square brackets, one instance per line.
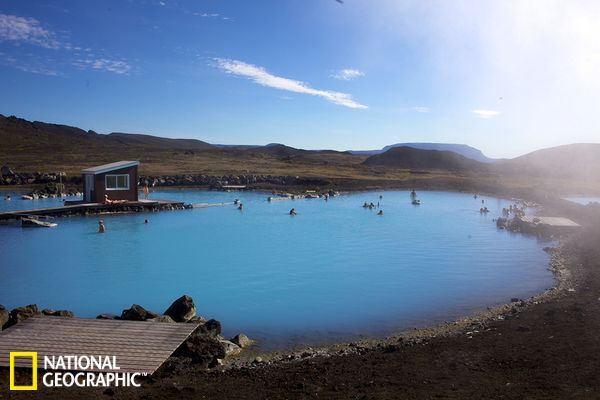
[100, 190]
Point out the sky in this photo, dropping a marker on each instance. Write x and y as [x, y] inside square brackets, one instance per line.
[505, 76]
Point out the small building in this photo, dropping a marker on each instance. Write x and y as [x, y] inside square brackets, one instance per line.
[118, 181]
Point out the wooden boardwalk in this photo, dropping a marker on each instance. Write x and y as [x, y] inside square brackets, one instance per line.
[139, 346]
[88, 207]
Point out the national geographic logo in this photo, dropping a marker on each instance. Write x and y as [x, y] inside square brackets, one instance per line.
[72, 370]
[34, 369]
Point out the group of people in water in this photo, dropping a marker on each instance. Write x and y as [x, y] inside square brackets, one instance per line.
[371, 205]
[514, 210]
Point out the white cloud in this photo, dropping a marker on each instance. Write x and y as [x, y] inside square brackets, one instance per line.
[422, 109]
[485, 114]
[115, 66]
[207, 15]
[34, 65]
[264, 78]
[26, 30]
[347, 74]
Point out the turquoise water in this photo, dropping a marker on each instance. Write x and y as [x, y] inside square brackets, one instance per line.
[332, 272]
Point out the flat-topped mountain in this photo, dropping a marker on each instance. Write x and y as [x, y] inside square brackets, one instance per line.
[462, 149]
[411, 158]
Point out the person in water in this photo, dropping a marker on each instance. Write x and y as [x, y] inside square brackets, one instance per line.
[146, 221]
[241, 207]
[101, 228]
[293, 211]
[380, 212]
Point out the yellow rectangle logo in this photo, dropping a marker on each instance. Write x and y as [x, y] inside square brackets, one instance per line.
[34, 369]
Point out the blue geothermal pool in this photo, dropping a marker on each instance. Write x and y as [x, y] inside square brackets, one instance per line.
[334, 271]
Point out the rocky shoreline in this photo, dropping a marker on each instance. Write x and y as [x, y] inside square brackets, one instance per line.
[8, 177]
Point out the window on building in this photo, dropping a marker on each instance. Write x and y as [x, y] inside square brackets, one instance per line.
[117, 182]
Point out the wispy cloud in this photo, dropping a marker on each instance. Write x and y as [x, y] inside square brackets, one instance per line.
[207, 15]
[421, 109]
[34, 65]
[119, 67]
[485, 114]
[347, 74]
[263, 77]
[26, 30]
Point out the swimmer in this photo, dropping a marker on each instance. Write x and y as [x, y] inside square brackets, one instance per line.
[101, 228]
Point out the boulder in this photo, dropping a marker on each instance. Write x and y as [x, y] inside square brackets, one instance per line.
[108, 316]
[6, 171]
[211, 328]
[58, 313]
[198, 319]
[202, 349]
[137, 313]
[182, 310]
[242, 341]
[22, 313]
[162, 318]
[231, 349]
[4, 316]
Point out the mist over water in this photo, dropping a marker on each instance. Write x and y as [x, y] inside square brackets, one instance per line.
[332, 272]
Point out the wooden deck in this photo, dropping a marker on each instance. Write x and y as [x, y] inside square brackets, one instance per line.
[88, 207]
[138, 346]
[558, 222]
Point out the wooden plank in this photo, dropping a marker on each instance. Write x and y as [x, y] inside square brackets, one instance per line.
[138, 346]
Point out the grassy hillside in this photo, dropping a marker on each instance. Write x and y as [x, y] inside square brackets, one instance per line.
[36, 146]
[580, 162]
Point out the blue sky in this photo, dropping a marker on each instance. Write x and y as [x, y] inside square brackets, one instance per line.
[505, 76]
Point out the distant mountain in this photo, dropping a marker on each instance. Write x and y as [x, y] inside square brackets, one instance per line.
[580, 161]
[462, 149]
[19, 132]
[155, 141]
[26, 145]
[278, 149]
[411, 158]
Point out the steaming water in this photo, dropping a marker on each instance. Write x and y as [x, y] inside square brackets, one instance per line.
[585, 200]
[334, 271]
